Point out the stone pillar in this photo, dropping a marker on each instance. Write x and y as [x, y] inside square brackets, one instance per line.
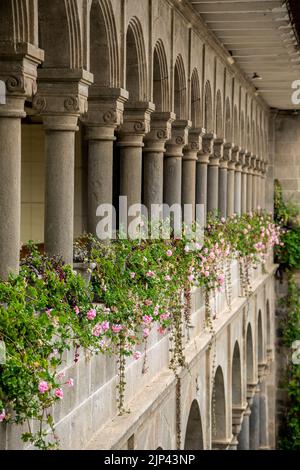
[213, 176]
[18, 69]
[255, 421]
[254, 183]
[136, 125]
[153, 155]
[61, 98]
[173, 162]
[223, 187]
[263, 406]
[189, 164]
[263, 184]
[249, 182]
[244, 436]
[105, 113]
[201, 171]
[238, 186]
[243, 182]
[230, 187]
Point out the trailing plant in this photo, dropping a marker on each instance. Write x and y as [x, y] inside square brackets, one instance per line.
[137, 286]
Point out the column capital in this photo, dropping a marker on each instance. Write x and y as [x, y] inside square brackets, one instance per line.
[160, 131]
[251, 389]
[179, 138]
[217, 155]
[237, 417]
[62, 92]
[18, 70]
[105, 111]
[136, 123]
[262, 369]
[207, 144]
[194, 143]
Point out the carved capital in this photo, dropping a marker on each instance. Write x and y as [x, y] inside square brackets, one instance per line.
[227, 149]
[18, 71]
[218, 148]
[136, 119]
[179, 138]
[62, 92]
[208, 144]
[105, 106]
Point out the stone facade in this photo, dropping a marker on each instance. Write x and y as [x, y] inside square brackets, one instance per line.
[138, 99]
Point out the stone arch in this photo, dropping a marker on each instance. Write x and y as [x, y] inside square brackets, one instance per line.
[236, 379]
[236, 137]
[161, 93]
[208, 108]
[159, 448]
[219, 115]
[218, 407]
[180, 92]
[60, 20]
[195, 99]
[103, 44]
[260, 346]
[194, 433]
[136, 65]
[249, 355]
[20, 19]
[228, 128]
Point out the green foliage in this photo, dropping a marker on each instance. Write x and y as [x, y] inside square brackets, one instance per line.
[288, 256]
[137, 284]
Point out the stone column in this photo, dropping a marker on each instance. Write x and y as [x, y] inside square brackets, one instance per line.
[238, 186]
[213, 176]
[173, 162]
[249, 182]
[136, 125]
[255, 421]
[201, 171]
[263, 407]
[243, 182]
[105, 113]
[263, 184]
[61, 98]
[244, 436]
[230, 186]
[18, 66]
[153, 155]
[223, 187]
[189, 164]
[254, 183]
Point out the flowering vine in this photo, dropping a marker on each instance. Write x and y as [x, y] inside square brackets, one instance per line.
[137, 286]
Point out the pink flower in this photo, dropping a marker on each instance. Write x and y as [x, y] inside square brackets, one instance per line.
[150, 274]
[167, 278]
[221, 279]
[186, 248]
[70, 382]
[2, 416]
[223, 220]
[169, 253]
[48, 312]
[97, 330]
[147, 319]
[132, 275]
[43, 386]
[59, 393]
[117, 328]
[61, 375]
[91, 314]
[76, 310]
[206, 274]
[148, 302]
[146, 332]
[105, 325]
[164, 316]
[161, 330]
[137, 355]
[191, 277]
